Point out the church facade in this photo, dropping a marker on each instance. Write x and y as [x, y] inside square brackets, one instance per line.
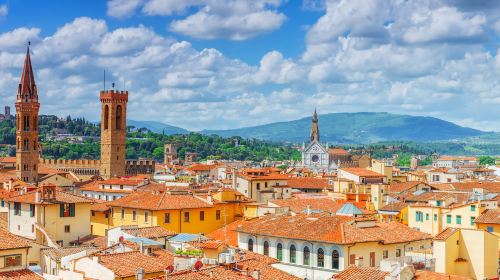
[315, 156]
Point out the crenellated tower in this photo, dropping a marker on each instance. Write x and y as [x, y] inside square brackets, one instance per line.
[27, 108]
[113, 132]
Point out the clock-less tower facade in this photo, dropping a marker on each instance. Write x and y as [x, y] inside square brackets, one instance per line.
[314, 155]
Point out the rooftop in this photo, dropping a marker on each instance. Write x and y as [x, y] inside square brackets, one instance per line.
[308, 183]
[490, 216]
[11, 241]
[362, 172]
[150, 232]
[60, 197]
[127, 264]
[160, 201]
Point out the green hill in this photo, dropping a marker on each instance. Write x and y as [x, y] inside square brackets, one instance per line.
[352, 128]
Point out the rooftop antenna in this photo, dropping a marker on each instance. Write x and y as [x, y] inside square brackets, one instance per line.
[113, 84]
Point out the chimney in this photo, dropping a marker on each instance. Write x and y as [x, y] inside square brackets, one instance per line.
[139, 274]
[256, 274]
[37, 196]
[211, 274]
[141, 247]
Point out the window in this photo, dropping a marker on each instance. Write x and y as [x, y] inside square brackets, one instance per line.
[66, 228]
[118, 117]
[335, 259]
[106, 215]
[123, 213]
[307, 256]
[3, 203]
[121, 187]
[293, 254]
[473, 208]
[472, 219]
[372, 259]
[258, 186]
[459, 220]
[12, 261]
[321, 258]
[385, 254]
[32, 210]
[448, 219]
[146, 217]
[250, 245]
[217, 214]
[202, 215]
[17, 208]
[134, 215]
[266, 248]
[106, 117]
[186, 217]
[489, 229]
[166, 218]
[67, 210]
[279, 252]
[426, 216]
[93, 213]
[398, 253]
[419, 216]
[435, 217]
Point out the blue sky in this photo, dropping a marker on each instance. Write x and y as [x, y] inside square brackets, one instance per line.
[231, 63]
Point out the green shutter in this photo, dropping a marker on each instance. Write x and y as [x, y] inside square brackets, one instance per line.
[61, 210]
[72, 210]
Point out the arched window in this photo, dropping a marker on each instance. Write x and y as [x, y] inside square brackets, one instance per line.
[335, 259]
[106, 116]
[307, 256]
[250, 245]
[321, 258]
[293, 254]
[266, 248]
[118, 117]
[279, 252]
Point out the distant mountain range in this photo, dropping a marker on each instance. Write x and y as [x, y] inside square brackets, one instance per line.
[346, 128]
[157, 127]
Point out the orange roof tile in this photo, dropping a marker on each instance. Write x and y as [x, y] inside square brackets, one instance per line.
[60, 196]
[227, 234]
[308, 183]
[401, 187]
[201, 167]
[11, 241]
[159, 201]
[359, 273]
[445, 233]
[150, 232]
[490, 216]
[397, 206]
[123, 181]
[209, 244]
[8, 160]
[323, 204]
[127, 264]
[362, 172]
[430, 275]
[22, 274]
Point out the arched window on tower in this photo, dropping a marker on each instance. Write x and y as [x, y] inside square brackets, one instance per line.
[106, 116]
[118, 117]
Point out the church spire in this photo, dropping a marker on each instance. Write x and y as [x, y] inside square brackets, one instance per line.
[27, 87]
[315, 128]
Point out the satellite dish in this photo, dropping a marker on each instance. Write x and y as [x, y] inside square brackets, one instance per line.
[170, 269]
[198, 265]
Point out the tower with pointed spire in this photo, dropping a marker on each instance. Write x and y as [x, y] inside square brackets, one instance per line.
[27, 108]
[314, 127]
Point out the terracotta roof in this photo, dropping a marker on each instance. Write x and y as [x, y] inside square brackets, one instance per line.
[150, 232]
[360, 273]
[159, 201]
[127, 264]
[100, 207]
[227, 234]
[60, 196]
[208, 244]
[362, 172]
[490, 216]
[338, 151]
[445, 233]
[123, 181]
[430, 275]
[308, 183]
[331, 229]
[401, 187]
[43, 170]
[201, 167]
[493, 187]
[251, 261]
[11, 241]
[8, 160]
[457, 158]
[23, 274]
[458, 197]
[92, 240]
[323, 204]
[394, 207]
[58, 253]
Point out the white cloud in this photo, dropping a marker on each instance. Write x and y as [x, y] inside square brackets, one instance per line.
[4, 10]
[18, 37]
[122, 8]
[168, 7]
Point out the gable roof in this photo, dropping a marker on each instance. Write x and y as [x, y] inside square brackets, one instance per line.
[22, 274]
[127, 264]
[404, 186]
[308, 183]
[362, 172]
[150, 232]
[490, 216]
[159, 201]
[227, 234]
[11, 241]
[358, 273]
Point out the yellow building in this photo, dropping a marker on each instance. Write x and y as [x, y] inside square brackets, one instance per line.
[442, 210]
[489, 221]
[394, 212]
[100, 219]
[176, 211]
[49, 216]
[14, 257]
[467, 252]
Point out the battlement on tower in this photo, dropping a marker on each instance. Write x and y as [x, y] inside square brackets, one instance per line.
[116, 95]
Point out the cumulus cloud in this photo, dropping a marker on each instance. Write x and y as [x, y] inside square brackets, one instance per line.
[212, 19]
[4, 10]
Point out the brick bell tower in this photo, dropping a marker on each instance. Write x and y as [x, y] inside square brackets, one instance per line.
[27, 107]
[113, 132]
